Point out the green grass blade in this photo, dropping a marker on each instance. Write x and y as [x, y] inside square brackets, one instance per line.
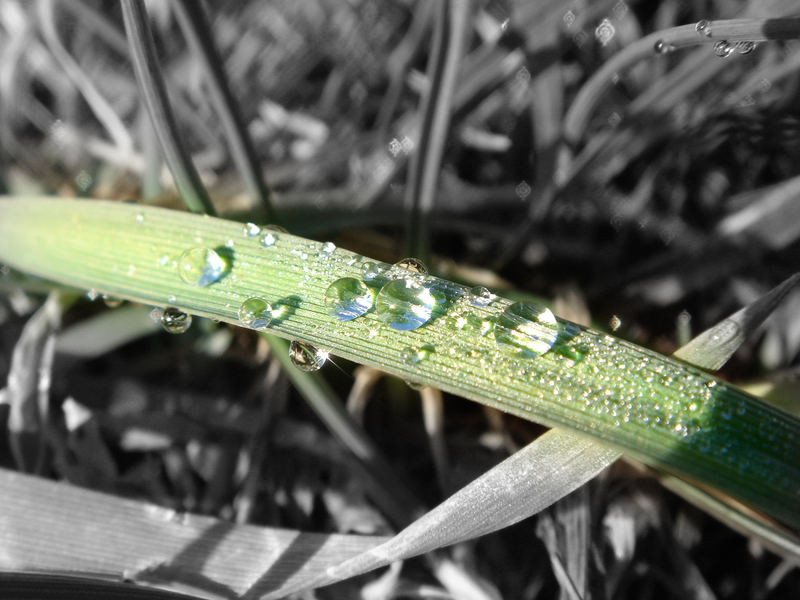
[666, 413]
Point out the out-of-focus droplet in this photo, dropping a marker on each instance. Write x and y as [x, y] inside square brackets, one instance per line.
[250, 230]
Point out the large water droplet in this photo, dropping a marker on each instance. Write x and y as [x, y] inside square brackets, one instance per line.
[174, 320]
[347, 298]
[526, 330]
[412, 264]
[306, 357]
[405, 304]
[200, 266]
[255, 313]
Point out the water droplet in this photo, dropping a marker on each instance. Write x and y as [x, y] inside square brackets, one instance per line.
[723, 48]
[267, 240]
[662, 47]
[415, 385]
[480, 296]
[111, 301]
[328, 247]
[614, 322]
[405, 304]
[413, 355]
[703, 28]
[412, 264]
[229, 243]
[92, 294]
[255, 313]
[174, 320]
[139, 219]
[745, 47]
[276, 228]
[200, 266]
[347, 298]
[306, 357]
[526, 330]
[250, 230]
[370, 270]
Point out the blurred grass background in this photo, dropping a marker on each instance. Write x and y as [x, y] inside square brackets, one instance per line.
[673, 206]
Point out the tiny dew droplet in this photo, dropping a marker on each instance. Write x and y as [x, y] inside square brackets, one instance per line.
[745, 47]
[174, 320]
[267, 240]
[306, 357]
[412, 264]
[92, 294]
[413, 355]
[276, 228]
[614, 322]
[405, 304]
[328, 247]
[250, 230]
[255, 313]
[200, 266]
[415, 385]
[527, 330]
[347, 298]
[480, 296]
[139, 219]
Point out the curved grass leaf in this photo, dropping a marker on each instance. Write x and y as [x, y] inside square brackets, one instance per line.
[665, 413]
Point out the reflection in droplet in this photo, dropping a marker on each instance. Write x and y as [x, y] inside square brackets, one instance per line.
[405, 304]
[526, 329]
[347, 298]
[267, 240]
[306, 357]
[200, 266]
[174, 320]
[412, 264]
[328, 247]
[255, 313]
